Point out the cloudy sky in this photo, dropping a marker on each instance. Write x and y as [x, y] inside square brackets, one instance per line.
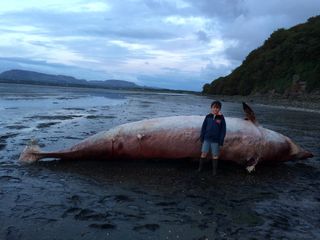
[176, 44]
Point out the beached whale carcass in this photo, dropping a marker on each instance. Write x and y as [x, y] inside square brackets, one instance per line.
[177, 137]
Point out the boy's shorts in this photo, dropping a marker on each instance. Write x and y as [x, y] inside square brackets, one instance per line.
[215, 148]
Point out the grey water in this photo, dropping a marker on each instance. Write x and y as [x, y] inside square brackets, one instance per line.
[146, 200]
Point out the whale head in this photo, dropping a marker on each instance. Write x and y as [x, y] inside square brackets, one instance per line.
[297, 152]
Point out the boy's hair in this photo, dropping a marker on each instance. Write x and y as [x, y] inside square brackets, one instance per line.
[216, 104]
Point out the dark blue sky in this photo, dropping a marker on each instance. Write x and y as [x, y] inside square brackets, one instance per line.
[177, 44]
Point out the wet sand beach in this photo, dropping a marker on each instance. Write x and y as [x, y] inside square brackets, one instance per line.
[303, 102]
[146, 199]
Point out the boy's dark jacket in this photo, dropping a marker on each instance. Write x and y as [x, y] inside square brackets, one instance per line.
[213, 129]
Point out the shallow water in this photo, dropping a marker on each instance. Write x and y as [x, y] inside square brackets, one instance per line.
[145, 200]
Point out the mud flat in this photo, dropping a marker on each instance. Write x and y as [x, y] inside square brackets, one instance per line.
[147, 200]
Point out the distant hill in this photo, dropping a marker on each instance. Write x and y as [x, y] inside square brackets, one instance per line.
[115, 83]
[30, 77]
[287, 63]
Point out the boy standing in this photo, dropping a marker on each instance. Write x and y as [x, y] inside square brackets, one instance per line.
[212, 135]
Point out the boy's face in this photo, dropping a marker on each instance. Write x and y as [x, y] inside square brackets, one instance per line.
[215, 109]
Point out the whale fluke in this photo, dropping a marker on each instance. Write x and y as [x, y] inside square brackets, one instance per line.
[30, 153]
[33, 153]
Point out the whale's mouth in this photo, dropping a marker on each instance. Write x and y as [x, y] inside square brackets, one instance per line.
[297, 152]
[303, 155]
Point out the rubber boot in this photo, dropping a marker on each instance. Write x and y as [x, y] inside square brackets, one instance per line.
[201, 162]
[214, 166]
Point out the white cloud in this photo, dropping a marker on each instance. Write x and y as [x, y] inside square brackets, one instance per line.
[197, 22]
[130, 46]
[21, 29]
[57, 5]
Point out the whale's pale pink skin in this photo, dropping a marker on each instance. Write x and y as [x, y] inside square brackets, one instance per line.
[177, 137]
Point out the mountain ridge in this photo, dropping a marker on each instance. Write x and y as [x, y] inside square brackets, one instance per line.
[33, 77]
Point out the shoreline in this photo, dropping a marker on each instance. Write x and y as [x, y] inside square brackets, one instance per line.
[303, 102]
[308, 103]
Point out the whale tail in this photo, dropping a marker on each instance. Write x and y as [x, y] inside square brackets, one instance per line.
[31, 153]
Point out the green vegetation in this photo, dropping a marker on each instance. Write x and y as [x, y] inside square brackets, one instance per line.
[288, 61]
